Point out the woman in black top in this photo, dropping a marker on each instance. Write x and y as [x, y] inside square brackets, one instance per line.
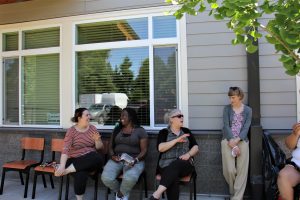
[177, 147]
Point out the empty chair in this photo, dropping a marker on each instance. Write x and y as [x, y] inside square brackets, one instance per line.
[56, 147]
[24, 165]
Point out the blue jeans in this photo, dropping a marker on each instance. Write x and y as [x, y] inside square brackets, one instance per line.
[131, 175]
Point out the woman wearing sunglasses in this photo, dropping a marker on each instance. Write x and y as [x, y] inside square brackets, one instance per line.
[177, 147]
[235, 143]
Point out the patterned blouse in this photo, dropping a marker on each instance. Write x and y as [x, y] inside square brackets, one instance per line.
[237, 124]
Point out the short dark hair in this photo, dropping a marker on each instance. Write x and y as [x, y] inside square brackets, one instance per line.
[78, 113]
[236, 91]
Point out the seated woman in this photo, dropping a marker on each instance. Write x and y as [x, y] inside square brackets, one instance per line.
[289, 176]
[131, 139]
[79, 155]
[177, 147]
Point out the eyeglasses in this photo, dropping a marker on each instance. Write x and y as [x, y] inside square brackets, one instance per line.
[178, 116]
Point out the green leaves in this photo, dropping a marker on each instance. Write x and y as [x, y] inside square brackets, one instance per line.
[283, 28]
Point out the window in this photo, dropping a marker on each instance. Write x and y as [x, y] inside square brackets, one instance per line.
[112, 75]
[31, 87]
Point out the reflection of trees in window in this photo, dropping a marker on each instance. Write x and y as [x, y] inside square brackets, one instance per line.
[164, 81]
[123, 77]
[94, 73]
[11, 103]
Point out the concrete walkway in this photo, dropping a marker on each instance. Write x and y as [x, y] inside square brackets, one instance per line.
[13, 190]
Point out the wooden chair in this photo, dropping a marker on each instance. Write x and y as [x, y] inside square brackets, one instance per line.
[94, 176]
[56, 147]
[24, 165]
[191, 180]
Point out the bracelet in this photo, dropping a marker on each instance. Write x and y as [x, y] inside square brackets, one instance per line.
[234, 147]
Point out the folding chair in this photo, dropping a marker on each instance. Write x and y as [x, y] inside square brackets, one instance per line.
[191, 180]
[56, 147]
[24, 165]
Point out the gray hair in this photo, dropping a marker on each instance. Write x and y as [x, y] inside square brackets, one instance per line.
[173, 113]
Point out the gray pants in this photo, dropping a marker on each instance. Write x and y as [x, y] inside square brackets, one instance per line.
[131, 175]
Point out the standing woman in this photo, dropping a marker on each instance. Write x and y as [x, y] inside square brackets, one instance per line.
[79, 155]
[235, 144]
[177, 147]
[131, 139]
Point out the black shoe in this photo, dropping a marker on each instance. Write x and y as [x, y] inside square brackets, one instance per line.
[153, 198]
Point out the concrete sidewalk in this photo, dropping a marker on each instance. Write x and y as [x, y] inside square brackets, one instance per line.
[13, 190]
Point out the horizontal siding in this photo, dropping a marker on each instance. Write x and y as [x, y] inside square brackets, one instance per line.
[213, 66]
[278, 90]
[46, 9]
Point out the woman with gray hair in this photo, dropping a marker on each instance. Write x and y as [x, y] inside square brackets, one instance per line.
[177, 147]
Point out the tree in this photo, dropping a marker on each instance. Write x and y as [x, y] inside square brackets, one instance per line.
[283, 28]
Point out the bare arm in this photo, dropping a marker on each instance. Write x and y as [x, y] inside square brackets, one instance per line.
[165, 146]
[292, 139]
[144, 148]
[191, 153]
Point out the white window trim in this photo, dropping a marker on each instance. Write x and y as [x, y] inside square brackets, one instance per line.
[68, 48]
[298, 96]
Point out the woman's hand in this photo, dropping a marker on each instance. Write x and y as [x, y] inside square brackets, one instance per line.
[296, 129]
[232, 143]
[96, 136]
[185, 156]
[115, 158]
[183, 138]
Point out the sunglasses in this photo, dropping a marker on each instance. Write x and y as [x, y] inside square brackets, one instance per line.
[178, 116]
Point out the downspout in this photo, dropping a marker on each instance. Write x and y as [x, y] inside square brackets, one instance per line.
[255, 165]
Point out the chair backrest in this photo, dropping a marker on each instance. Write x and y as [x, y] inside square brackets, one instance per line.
[29, 143]
[57, 145]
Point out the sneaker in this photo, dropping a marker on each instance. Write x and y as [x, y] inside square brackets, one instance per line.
[153, 198]
[122, 198]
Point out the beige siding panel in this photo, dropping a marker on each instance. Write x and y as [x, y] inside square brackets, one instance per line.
[217, 62]
[269, 61]
[210, 39]
[266, 49]
[207, 27]
[215, 51]
[278, 110]
[278, 86]
[208, 100]
[206, 111]
[201, 17]
[217, 75]
[205, 123]
[274, 73]
[278, 122]
[278, 98]
[46, 9]
[215, 87]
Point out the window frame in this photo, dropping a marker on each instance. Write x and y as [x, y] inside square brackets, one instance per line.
[20, 54]
[67, 61]
[151, 43]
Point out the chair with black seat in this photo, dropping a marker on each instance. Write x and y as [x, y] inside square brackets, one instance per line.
[94, 176]
[190, 180]
[24, 165]
[49, 168]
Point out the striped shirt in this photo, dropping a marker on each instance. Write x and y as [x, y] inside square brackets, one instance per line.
[78, 143]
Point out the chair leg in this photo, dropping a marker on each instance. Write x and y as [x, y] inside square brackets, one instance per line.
[2, 181]
[51, 181]
[34, 185]
[145, 185]
[96, 188]
[21, 178]
[26, 184]
[195, 187]
[67, 187]
[60, 187]
[44, 180]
